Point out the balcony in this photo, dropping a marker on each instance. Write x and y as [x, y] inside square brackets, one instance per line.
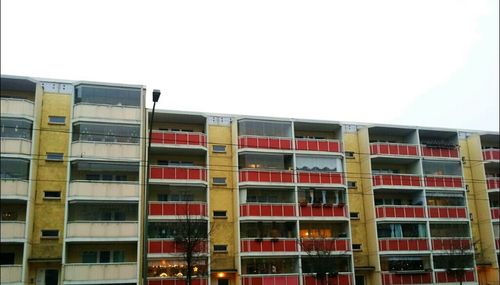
[493, 183]
[497, 243]
[172, 174]
[324, 244]
[323, 145]
[267, 210]
[101, 272]
[102, 231]
[104, 190]
[11, 273]
[179, 139]
[441, 212]
[451, 243]
[403, 244]
[443, 181]
[454, 276]
[495, 213]
[263, 142]
[322, 210]
[17, 107]
[83, 111]
[14, 189]
[316, 177]
[268, 245]
[12, 231]
[441, 152]
[276, 279]
[406, 278]
[338, 279]
[400, 212]
[393, 149]
[177, 209]
[169, 246]
[396, 180]
[266, 176]
[15, 146]
[115, 150]
[176, 281]
[491, 154]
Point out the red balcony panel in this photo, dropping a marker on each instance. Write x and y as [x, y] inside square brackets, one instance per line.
[443, 181]
[177, 209]
[396, 244]
[497, 243]
[440, 152]
[176, 281]
[325, 244]
[154, 247]
[395, 278]
[265, 142]
[447, 212]
[270, 280]
[493, 183]
[495, 213]
[311, 177]
[393, 149]
[170, 246]
[268, 245]
[319, 210]
[491, 154]
[317, 145]
[179, 138]
[400, 212]
[339, 279]
[451, 244]
[178, 173]
[454, 276]
[396, 180]
[274, 176]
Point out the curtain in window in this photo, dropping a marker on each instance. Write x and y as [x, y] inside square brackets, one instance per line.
[318, 163]
[396, 230]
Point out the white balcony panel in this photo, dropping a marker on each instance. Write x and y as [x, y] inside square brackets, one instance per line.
[99, 272]
[104, 190]
[106, 112]
[124, 151]
[17, 107]
[14, 189]
[10, 273]
[15, 145]
[12, 230]
[102, 230]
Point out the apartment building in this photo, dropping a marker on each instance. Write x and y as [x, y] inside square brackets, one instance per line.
[230, 199]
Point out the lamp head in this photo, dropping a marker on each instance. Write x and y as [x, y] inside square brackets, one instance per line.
[156, 95]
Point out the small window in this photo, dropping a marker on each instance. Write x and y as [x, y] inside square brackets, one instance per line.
[349, 154]
[118, 256]
[356, 247]
[55, 156]
[57, 120]
[105, 257]
[54, 195]
[354, 215]
[220, 214]
[50, 233]
[220, 248]
[89, 257]
[352, 185]
[219, 180]
[219, 148]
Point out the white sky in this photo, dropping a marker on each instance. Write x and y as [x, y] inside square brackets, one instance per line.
[430, 63]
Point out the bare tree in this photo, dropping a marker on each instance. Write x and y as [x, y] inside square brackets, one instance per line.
[457, 260]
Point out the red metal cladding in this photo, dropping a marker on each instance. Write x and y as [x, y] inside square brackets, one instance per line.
[493, 183]
[340, 279]
[495, 213]
[451, 244]
[497, 243]
[317, 145]
[393, 278]
[265, 142]
[404, 244]
[457, 276]
[267, 176]
[400, 212]
[310, 177]
[443, 181]
[179, 138]
[440, 152]
[491, 154]
[178, 173]
[396, 180]
[177, 281]
[324, 245]
[177, 209]
[311, 210]
[270, 280]
[170, 246]
[447, 212]
[393, 149]
[270, 210]
[269, 245]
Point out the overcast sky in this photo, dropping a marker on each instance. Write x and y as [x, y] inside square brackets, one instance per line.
[428, 63]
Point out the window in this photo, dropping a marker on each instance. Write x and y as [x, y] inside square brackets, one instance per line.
[349, 154]
[103, 256]
[12, 168]
[55, 195]
[219, 148]
[318, 163]
[102, 132]
[89, 257]
[118, 256]
[264, 128]
[50, 233]
[7, 258]
[108, 95]
[352, 185]
[354, 215]
[219, 180]
[220, 248]
[356, 247]
[15, 128]
[55, 156]
[219, 214]
[57, 120]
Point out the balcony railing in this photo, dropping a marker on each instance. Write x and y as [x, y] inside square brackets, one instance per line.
[337, 279]
[400, 211]
[102, 230]
[403, 244]
[497, 243]
[17, 107]
[265, 142]
[444, 181]
[406, 278]
[267, 210]
[104, 190]
[451, 243]
[266, 176]
[12, 230]
[454, 276]
[323, 210]
[446, 212]
[317, 145]
[399, 180]
[440, 152]
[114, 150]
[317, 177]
[324, 244]
[495, 213]
[396, 149]
[182, 139]
[493, 183]
[183, 174]
[177, 209]
[268, 245]
[169, 246]
[176, 281]
[11, 273]
[14, 189]
[83, 111]
[275, 279]
[15, 146]
[491, 154]
[99, 272]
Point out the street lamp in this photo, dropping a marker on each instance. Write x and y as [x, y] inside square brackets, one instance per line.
[156, 97]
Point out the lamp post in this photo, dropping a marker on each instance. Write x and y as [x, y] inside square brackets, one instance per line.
[156, 97]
